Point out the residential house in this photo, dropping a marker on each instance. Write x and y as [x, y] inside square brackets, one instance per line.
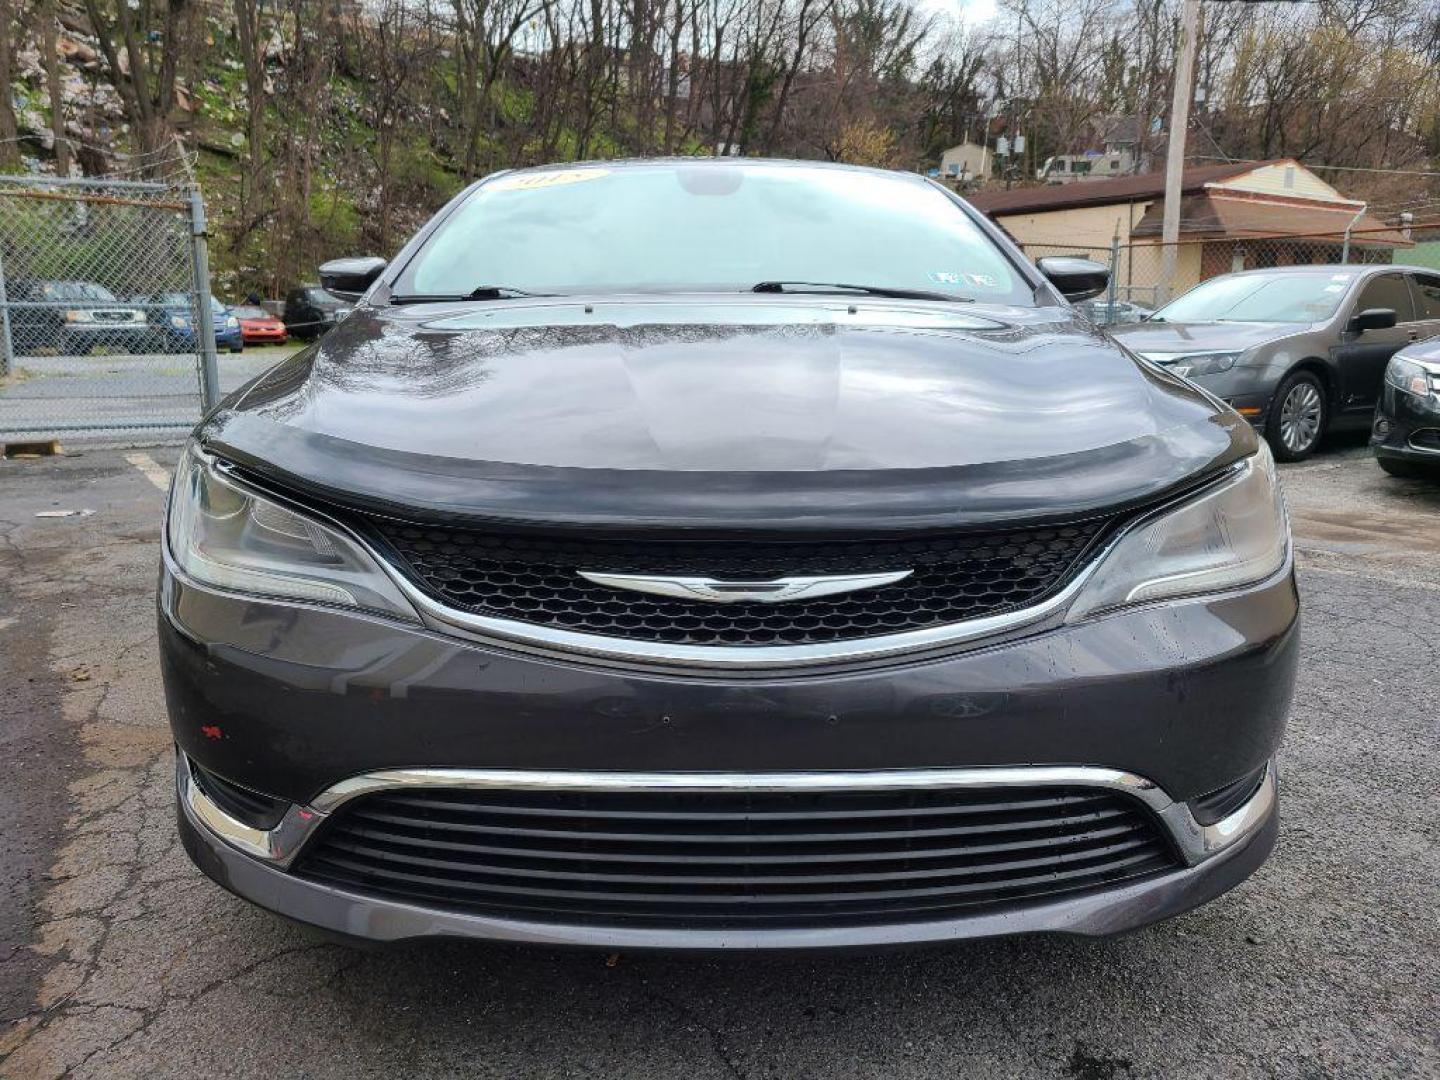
[1232, 217]
[964, 162]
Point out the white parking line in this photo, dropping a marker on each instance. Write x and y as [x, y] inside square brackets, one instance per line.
[153, 472]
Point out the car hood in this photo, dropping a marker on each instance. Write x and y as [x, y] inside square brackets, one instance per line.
[1167, 337]
[739, 414]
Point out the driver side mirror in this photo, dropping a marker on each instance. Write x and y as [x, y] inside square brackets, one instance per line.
[348, 279]
[1375, 318]
[1077, 279]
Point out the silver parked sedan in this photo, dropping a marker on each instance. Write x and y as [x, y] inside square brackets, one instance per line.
[1296, 350]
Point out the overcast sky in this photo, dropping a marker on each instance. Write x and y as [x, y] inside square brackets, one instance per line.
[973, 12]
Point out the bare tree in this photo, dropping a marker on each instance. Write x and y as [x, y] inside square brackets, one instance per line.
[145, 78]
[51, 53]
[9, 151]
[252, 55]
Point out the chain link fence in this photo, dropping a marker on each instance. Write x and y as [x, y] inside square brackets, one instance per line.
[107, 326]
[1142, 279]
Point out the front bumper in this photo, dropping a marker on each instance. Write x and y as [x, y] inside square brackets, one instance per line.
[300, 702]
[1407, 428]
[112, 335]
[251, 864]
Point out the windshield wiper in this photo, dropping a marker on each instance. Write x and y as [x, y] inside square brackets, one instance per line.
[869, 290]
[481, 292]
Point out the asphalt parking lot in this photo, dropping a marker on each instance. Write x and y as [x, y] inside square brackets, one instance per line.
[118, 959]
[153, 395]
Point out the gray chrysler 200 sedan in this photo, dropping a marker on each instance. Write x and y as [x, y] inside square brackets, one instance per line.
[1297, 351]
[724, 554]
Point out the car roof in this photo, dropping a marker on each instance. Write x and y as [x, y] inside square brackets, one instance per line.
[1335, 268]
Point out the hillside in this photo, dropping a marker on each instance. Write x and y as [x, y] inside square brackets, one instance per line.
[324, 128]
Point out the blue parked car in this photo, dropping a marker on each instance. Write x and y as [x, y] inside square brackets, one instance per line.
[172, 322]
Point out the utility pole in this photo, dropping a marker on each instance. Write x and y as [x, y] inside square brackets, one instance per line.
[1175, 152]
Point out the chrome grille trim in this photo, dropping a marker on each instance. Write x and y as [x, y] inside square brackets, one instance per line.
[491, 630]
[280, 845]
[509, 633]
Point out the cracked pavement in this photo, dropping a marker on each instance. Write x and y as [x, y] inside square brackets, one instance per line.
[119, 959]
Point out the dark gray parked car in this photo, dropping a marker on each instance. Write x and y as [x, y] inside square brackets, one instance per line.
[1406, 435]
[724, 554]
[1297, 350]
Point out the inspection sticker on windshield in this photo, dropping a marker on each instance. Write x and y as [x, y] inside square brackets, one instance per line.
[950, 277]
[554, 178]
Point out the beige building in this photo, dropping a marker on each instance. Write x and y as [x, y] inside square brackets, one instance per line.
[1232, 217]
[966, 160]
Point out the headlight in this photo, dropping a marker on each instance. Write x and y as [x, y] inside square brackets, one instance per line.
[1210, 363]
[231, 323]
[223, 535]
[1412, 377]
[75, 316]
[178, 321]
[1231, 535]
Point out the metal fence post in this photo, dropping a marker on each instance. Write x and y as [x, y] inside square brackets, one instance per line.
[7, 343]
[204, 316]
[1114, 274]
[1345, 250]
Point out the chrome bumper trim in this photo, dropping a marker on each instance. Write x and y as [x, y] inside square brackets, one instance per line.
[1411, 444]
[280, 845]
[277, 846]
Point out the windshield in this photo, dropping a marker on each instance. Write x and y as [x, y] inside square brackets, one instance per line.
[76, 290]
[1287, 298]
[678, 227]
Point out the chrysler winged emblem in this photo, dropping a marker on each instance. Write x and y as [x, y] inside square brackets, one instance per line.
[734, 592]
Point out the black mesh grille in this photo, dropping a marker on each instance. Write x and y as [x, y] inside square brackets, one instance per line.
[534, 579]
[714, 860]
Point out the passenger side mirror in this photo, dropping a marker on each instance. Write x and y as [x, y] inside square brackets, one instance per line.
[1077, 279]
[349, 278]
[1375, 318]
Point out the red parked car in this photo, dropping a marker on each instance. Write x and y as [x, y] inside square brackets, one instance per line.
[259, 327]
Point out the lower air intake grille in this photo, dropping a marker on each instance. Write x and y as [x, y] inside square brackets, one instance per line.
[256, 810]
[736, 860]
[1426, 439]
[535, 579]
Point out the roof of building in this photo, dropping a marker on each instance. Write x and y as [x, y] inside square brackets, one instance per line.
[1202, 215]
[1121, 189]
[1119, 129]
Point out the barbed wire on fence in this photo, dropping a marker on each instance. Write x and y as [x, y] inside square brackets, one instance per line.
[179, 160]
